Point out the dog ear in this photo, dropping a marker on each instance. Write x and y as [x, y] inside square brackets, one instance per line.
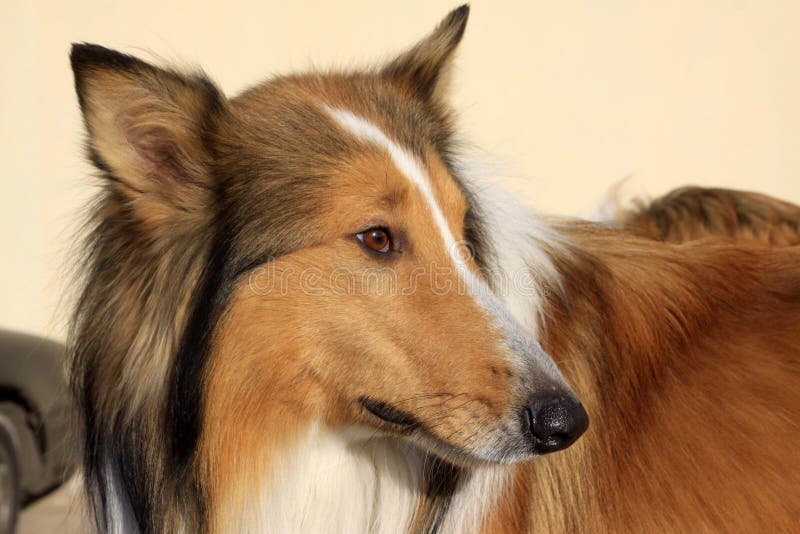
[424, 68]
[148, 129]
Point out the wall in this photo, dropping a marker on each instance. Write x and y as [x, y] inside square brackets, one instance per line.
[570, 96]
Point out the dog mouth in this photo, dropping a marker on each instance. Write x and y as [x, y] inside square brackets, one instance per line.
[389, 414]
[504, 444]
[404, 424]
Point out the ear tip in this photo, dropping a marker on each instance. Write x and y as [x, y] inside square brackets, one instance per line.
[458, 17]
[90, 55]
[455, 23]
[462, 11]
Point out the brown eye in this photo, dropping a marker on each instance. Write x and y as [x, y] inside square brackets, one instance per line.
[376, 239]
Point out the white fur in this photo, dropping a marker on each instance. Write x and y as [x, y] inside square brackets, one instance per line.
[469, 505]
[624, 195]
[352, 481]
[515, 232]
[337, 482]
[119, 516]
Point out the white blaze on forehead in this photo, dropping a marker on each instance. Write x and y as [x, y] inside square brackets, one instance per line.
[408, 165]
[520, 342]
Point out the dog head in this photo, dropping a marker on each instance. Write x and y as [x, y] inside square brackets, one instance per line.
[334, 257]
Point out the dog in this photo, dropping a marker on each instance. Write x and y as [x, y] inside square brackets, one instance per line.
[303, 312]
[691, 213]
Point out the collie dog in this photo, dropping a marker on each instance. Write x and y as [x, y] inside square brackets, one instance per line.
[303, 312]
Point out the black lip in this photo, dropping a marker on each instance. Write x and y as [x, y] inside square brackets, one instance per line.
[387, 412]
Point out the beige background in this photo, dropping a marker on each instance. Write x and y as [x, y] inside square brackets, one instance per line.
[571, 95]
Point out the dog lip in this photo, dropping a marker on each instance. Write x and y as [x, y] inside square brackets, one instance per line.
[387, 412]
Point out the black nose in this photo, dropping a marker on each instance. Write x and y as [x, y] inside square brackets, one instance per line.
[555, 422]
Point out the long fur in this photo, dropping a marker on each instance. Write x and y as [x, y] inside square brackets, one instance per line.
[688, 352]
[210, 404]
[692, 213]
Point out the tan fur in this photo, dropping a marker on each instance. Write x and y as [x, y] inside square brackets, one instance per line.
[155, 137]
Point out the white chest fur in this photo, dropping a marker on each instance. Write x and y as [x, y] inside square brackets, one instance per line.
[354, 482]
[342, 482]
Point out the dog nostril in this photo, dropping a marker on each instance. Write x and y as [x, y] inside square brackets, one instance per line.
[555, 422]
[529, 419]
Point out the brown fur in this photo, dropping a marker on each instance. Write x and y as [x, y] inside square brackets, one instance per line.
[687, 358]
[692, 213]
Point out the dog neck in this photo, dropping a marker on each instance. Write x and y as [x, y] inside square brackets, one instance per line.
[354, 481]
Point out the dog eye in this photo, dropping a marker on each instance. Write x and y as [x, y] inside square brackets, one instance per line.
[376, 239]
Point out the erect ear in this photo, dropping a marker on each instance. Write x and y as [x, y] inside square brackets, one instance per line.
[424, 68]
[148, 129]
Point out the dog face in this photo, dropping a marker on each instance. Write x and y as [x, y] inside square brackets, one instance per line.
[337, 281]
